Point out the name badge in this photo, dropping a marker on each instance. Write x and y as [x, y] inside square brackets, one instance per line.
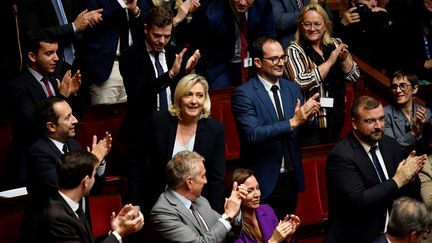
[247, 62]
[326, 102]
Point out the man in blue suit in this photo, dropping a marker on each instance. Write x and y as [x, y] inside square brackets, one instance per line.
[218, 32]
[268, 129]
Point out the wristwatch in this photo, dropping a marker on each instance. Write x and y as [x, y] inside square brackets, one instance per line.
[227, 218]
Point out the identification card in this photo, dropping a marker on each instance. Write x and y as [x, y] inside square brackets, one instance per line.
[326, 102]
[247, 62]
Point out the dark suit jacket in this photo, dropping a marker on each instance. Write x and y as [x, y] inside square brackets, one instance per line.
[60, 224]
[142, 88]
[214, 33]
[36, 14]
[43, 180]
[25, 93]
[358, 202]
[209, 142]
[171, 221]
[261, 132]
[99, 44]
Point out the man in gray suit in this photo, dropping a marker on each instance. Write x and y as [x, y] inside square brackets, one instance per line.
[409, 222]
[182, 215]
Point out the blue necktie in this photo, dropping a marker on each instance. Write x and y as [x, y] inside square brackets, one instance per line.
[68, 50]
[162, 95]
[377, 164]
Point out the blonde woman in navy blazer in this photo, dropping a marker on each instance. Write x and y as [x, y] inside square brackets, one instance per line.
[186, 126]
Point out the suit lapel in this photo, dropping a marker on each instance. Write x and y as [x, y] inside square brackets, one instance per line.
[398, 116]
[35, 87]
[287, 100]
[362, 159]
[179, 206]
[264, 97]
[85, 231]
[53, 148]
[172, 132]
[388, 157]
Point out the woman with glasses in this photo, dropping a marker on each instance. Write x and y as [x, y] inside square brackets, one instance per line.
[259, 222]
[404, 118]
[320, 63]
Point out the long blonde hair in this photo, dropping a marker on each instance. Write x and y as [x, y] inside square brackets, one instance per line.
[183, 87]
[327, 39]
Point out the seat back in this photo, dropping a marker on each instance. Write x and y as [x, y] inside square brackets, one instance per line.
[10, 226]
[101, 208]
[309, 202]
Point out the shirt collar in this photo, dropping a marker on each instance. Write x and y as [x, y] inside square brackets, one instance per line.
[186, 202]
[72, 204]
[267, 84]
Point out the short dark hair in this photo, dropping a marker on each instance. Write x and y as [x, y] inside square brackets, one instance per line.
[74, 166]
[364, 101]
[257, 48]
[36, 36]
[410, 76]
[159, 16]
[408, 215]
[45, 113]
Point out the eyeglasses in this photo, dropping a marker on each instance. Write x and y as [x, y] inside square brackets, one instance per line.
[310, 25]
[276, 60]
[401, 86]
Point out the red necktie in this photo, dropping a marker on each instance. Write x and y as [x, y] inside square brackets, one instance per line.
[47, 86]
[243, 46]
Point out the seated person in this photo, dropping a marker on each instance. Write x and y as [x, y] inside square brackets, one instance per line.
[181, 214]
[259, 221]
[404, 118]
[409, 222]
[63, 219]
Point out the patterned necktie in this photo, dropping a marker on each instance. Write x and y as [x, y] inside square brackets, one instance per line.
[377, 164]
[288, 163]
[163, 103]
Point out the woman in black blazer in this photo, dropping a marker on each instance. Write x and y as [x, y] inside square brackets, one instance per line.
[186, 126]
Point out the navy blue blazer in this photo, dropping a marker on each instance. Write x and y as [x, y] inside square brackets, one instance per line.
[99, 44]
[209, 142]
[261, 132]
[24, 94]
[142, 88]
[214, 33]
[358, 201]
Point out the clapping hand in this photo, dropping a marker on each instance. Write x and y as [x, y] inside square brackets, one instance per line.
[102, 148]
[69, 84]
